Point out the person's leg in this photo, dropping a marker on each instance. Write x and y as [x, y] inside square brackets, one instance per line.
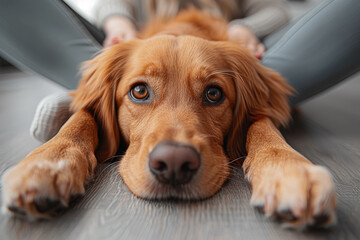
[95, 32]
[45, 37]
[48, 37]
[319, 50]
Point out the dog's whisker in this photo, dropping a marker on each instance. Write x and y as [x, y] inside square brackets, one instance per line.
[233, 168]
[110, 164]
[115, 156]
[230, 163]
[107, 167]
[236, 159]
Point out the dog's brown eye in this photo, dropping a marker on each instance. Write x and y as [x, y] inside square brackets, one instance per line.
[213, 95]
[139, 92]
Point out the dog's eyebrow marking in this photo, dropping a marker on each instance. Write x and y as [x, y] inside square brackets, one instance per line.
[199, 73]
[151, 70]
[206, 74]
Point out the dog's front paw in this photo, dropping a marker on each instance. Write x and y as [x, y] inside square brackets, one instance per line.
[41, 188]
[298, 196]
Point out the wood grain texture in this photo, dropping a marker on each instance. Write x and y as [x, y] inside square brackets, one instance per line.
[110, 211]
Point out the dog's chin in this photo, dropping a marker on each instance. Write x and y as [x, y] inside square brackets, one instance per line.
[166, 192]
[192, 191]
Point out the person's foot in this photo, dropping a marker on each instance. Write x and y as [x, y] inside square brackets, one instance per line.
[51, 113]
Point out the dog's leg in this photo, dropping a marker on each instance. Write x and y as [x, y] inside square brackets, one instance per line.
[287, 186]
[50, 175]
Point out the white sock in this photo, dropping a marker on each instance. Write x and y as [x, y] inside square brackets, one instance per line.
[51, 113]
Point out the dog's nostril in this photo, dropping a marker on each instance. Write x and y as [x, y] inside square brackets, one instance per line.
[159, 166]
[190, 166]
[162, 166]
[185, 167]
[174, 163]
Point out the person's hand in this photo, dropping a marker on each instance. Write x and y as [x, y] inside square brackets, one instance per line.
[246, 38]
[118, 29]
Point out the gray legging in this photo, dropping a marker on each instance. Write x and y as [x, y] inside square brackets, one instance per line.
[318, 51]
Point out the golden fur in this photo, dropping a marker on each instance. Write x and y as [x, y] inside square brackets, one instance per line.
[178, 59]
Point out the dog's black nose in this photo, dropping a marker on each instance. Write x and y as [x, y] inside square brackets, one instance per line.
[174, 163]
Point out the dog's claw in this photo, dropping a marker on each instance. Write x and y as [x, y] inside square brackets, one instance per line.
[16, 210]
[286, 215]
[320, 220]
[260, 208]
[75, 197]
[43, 205]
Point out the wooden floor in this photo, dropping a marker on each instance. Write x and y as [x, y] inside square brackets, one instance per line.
[327, 132]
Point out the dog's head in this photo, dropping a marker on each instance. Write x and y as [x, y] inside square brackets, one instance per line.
[182, 104]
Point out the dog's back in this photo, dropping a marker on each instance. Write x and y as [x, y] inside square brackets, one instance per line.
[188, 22]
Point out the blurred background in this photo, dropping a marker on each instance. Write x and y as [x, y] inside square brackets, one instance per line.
[85, 7]
[326, 130]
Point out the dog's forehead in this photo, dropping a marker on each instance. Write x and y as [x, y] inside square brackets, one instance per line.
[169, 52]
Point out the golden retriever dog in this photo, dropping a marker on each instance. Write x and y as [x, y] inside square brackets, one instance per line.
[185, 102]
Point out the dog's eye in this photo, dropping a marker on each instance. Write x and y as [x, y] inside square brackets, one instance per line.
[213, 95]
[139, 92]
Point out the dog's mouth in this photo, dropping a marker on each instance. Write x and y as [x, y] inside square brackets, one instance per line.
[166, 192]
[175, 171]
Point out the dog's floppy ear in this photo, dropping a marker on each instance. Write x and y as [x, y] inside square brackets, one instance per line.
[260, 92]
[96, 93]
